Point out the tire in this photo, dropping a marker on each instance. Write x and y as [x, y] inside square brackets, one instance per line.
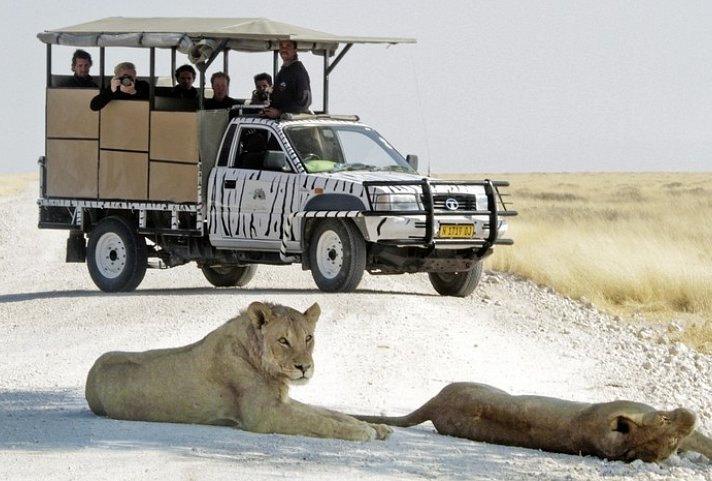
[337, 255]
[229, 275]
[456, 284]
[116, 256]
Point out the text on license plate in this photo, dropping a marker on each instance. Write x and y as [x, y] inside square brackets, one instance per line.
[456, 231]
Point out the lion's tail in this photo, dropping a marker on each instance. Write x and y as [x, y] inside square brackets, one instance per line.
[418, 416]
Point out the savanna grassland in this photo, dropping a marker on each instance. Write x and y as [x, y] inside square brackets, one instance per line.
[12, 183]
[629, 243]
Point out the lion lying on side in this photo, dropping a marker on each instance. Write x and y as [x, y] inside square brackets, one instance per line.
[237, 375]
[619, 430]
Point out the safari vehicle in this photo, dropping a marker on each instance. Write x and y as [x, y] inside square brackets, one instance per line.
[159, 183]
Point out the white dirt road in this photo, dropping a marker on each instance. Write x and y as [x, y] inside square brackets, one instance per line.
[386, 348]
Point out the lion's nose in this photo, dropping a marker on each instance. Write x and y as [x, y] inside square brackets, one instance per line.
[303, 367]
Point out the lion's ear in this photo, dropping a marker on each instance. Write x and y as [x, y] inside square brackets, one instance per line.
[313, 312]
[626, 423]
[259, 314]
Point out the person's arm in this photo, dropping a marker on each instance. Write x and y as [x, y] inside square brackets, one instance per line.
[100, 101]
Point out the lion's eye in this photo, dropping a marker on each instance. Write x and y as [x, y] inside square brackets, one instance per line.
[309, 338]
[283, 341]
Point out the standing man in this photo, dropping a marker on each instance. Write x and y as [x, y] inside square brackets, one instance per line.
[185, 76]
[81, 63]
[291, 92]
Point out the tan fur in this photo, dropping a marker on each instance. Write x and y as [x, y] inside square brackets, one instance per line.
[237, 375]
[618, 430]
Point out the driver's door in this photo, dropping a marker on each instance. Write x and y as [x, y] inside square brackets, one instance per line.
[252, 205]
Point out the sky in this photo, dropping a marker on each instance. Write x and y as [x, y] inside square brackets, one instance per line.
[490, 85]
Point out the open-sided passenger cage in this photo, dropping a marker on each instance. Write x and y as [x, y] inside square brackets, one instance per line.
[145, 154]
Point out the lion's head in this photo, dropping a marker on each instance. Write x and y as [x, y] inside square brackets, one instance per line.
[637, 431]
[287, 340]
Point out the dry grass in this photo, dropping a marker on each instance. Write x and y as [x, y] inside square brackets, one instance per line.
[13, 183]
[628, 243]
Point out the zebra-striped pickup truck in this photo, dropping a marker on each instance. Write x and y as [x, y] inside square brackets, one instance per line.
[325, 191]
[159, 181]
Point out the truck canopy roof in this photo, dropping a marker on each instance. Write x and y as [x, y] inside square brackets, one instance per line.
[184, 33]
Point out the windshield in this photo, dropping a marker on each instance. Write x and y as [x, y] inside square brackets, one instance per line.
[337, 148]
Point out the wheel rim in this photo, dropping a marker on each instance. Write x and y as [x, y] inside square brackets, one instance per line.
[110, 255]
[329, 254]
[448, 277]
[221, 270]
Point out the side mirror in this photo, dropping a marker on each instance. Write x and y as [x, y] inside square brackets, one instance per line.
[412, 160]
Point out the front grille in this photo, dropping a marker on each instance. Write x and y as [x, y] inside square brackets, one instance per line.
[464, 202]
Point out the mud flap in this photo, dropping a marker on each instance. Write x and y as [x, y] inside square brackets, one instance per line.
[76, 247]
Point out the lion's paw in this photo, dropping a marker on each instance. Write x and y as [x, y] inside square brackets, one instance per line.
[383, 432]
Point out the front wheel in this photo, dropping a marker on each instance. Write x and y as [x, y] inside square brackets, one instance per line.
[229, 275]
[117, 256]
[337, 255]
[456, 284]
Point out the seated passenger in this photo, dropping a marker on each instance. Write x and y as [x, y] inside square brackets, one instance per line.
[185, 76]
[124, 86]
[81, 63]
[263, 89]
[220, 82]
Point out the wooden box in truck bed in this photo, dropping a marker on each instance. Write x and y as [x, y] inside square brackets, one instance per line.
[123, 152]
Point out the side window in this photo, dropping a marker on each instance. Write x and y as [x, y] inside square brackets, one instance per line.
[259, 149]
[225, 148]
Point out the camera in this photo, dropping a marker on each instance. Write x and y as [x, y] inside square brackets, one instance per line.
[126, 80]
[261, 96]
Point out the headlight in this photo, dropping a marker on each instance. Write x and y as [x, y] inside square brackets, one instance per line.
[397, 202]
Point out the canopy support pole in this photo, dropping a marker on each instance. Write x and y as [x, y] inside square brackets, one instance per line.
[338, 58]
[49, 65]
[102, 66]
[152, 75]
[327, 71]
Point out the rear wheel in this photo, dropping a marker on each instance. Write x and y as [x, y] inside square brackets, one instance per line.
[337, 255]
[117, 256]
[456, 284]
[229, 275]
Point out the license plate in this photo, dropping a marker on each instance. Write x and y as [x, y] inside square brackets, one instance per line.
[456, 231]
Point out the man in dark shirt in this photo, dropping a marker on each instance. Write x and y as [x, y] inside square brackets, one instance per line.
[291, 92]
[81, 63]
[124, 86]
[185, 76]
[220, 82]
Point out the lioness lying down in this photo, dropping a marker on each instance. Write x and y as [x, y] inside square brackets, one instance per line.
[238, 375]
[619, 430]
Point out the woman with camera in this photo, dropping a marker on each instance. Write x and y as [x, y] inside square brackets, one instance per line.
[124, 86]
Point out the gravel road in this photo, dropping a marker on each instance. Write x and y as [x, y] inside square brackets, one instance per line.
[386, 348]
